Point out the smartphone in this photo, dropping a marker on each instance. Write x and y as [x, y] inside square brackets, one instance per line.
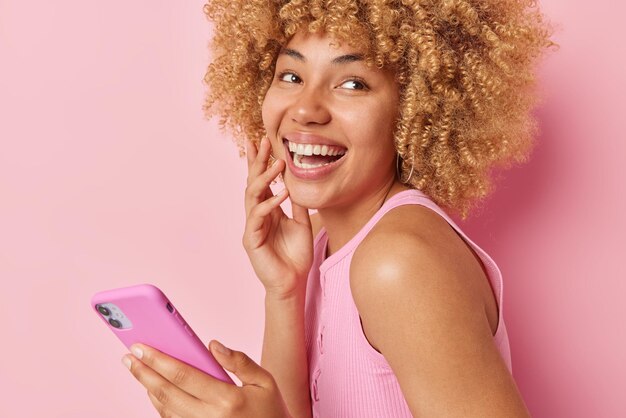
[143, 314]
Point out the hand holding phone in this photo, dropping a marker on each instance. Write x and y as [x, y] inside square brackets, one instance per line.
[143, 314]
[172, 363]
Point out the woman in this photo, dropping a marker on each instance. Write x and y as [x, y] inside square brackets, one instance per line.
[378, 114]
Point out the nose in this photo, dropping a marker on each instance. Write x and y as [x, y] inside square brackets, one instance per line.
[310, 107]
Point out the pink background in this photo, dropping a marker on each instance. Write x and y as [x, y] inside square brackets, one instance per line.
[110, 176]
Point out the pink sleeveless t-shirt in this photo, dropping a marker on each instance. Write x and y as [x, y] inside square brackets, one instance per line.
[348, 377]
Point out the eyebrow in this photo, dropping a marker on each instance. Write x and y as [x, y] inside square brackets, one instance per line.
[342, 59]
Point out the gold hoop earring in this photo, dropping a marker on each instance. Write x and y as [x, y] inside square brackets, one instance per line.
[398, 170]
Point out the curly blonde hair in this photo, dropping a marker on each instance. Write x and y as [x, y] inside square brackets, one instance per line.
[465, 70]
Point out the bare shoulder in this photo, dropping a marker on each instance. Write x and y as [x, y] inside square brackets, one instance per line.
[423, 249]
[414, 254]
[415, 272]
[416, 247]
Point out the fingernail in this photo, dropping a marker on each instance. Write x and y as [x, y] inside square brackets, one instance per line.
[126, 362]
[138, 352]
[222, 349]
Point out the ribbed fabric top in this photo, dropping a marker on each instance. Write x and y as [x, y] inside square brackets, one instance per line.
[348, 377]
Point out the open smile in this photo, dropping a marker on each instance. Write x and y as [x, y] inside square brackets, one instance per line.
[314, 155]
[313, 161]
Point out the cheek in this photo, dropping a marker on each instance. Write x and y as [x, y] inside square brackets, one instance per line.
[384, 123]
[270, 112]
[371, 126]
[265, 113]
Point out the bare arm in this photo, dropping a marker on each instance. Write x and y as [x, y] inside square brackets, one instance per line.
[440, 347]
[284, 351]
[281, 252]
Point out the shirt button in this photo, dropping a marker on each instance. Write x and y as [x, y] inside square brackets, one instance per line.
[320, 343]
[315, 390]
[315, 395]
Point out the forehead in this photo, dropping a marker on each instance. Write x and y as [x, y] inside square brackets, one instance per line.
[321, 50]
[320, 43]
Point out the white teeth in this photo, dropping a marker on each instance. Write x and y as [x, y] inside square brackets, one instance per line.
[300, 164]
[317, 149]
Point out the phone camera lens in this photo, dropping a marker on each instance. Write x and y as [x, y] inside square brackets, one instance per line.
[104, 310]
[115, 323]
[170, 307]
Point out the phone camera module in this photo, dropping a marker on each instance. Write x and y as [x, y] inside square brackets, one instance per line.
[115, 323]
[104, 310]
[114, 315]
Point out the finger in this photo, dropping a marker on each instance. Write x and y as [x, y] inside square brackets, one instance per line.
[256, 220]
[249, 372]
[171, 397]
[155, 402]
[160, 408]
[251, 152]
[181, 376]
[300, 214]
[259, 165]
[259, 190]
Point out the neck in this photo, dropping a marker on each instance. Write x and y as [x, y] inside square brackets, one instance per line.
[343, 223]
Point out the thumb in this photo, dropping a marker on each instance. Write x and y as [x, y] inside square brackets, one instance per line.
[241, 365]
[300, 214]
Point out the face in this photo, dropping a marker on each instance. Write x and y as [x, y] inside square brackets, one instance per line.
[331, 118]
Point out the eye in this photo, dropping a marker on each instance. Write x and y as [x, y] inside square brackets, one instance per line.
[354, 84]
[289, 77]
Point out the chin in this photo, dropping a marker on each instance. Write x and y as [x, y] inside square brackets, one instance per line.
[307, 196]
[305, 200]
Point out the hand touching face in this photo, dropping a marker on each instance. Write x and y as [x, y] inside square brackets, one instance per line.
[331, 118]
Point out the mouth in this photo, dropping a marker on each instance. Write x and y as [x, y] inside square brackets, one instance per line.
[312, 156]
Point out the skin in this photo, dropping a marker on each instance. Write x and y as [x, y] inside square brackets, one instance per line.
[412, 270]
[318, 90]
[178, 390]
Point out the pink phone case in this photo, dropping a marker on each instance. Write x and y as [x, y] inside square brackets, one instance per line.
[157, 323]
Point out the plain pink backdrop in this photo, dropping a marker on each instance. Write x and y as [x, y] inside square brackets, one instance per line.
[110, 176]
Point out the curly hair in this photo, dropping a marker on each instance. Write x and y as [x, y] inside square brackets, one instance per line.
[466, 71]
